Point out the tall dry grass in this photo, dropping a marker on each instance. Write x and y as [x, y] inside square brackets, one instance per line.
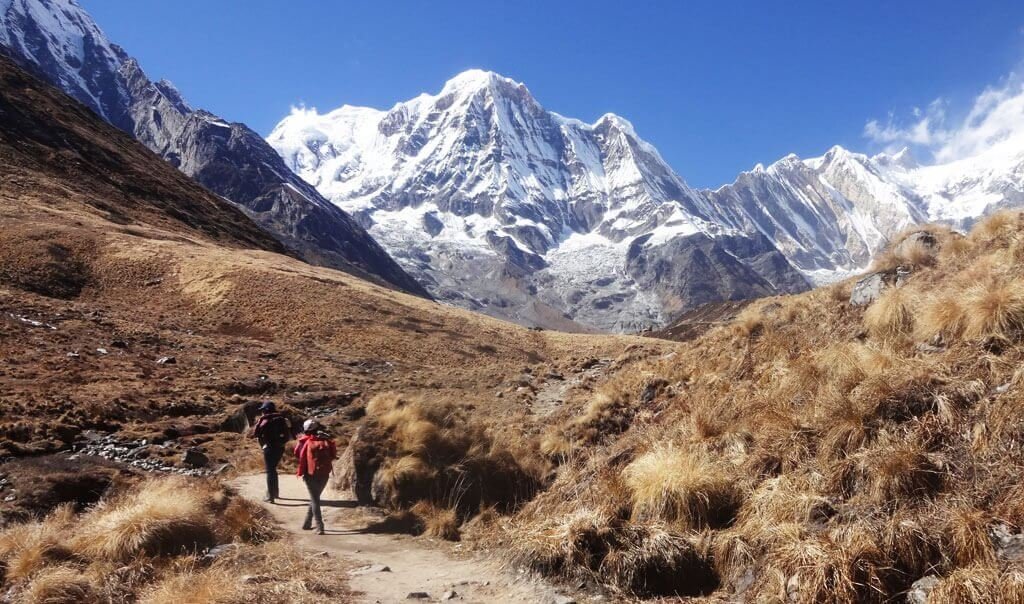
[856, 449]
[436, 463]
[148, 544]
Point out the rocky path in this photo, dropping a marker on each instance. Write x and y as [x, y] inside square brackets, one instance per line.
[416, 570]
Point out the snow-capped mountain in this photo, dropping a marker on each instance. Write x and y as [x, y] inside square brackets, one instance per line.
[830, 214]
[499, 205]
[59, 41]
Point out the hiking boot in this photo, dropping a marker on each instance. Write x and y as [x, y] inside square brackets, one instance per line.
[307, 527]
[320, 531]
[268, 499]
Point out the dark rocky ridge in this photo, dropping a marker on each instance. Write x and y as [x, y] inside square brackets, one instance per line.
[230, 160]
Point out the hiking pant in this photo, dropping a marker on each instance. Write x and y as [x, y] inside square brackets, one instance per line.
[315, 485]
[271, 457]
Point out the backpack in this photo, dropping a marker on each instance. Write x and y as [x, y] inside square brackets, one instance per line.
[320, 455]
[274, 431]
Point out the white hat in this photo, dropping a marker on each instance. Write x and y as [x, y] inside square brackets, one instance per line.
[310, 425]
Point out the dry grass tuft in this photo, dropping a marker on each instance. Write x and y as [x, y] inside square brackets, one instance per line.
[679, 486]
[942, 317]
[25, 549]
[147, 544]
[890, 316]
[995, 309]
[60, 585]
[651, 561]
[164, 517]
[431, 452]
[969, 585]
[439, 522]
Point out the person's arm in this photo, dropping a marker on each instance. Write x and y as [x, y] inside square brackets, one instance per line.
[257, 429]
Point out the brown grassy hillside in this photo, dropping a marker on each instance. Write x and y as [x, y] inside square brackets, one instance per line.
[806, 451]
[812, 451]
[111, 260]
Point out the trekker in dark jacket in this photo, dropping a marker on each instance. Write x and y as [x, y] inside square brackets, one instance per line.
[273, 431]
[316, 452]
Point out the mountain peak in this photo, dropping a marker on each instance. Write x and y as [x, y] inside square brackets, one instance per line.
[616, 121]
[475, 79]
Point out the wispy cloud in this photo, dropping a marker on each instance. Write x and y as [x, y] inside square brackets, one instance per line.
[996, 117]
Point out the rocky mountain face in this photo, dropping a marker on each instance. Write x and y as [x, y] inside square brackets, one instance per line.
[59, 41]
[498, 205]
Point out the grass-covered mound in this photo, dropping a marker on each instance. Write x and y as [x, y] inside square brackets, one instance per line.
[811, 450]
[162, 541]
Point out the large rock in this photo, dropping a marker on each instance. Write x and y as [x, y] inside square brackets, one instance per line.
[870, 288]
[357, 465]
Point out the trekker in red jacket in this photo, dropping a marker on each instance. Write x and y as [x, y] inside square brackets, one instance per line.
[316, 452]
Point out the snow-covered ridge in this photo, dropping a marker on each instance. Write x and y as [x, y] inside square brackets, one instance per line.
[549, 207]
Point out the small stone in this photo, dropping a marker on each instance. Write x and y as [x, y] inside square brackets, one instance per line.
[119, 344]
[562, 599]
[166, 361]
[449, 595]
[73, 355]
[10, 498]
[417, 595]
[218, 551]
[101, 351]
[372, 568]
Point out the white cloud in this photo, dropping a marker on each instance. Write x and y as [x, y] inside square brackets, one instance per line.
[996, 117]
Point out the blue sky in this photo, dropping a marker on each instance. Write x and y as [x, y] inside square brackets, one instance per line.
[716, 86]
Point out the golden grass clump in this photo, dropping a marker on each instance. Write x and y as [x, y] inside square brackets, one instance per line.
[840, 565]
[891, 315]
[431, 452]
[996, 228]
[27, 548]
[941, 318]
[681, 486]
[978, 584]
[439, 522]
[889, 474]
[145, 543]
[647, 560]
[200, 585]
[995, 309]
[163, 517]
[60, 585]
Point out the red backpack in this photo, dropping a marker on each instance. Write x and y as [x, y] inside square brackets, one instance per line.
[320, 455]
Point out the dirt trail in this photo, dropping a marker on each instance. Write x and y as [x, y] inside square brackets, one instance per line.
[415, 565]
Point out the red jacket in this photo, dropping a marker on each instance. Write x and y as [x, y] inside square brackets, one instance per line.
[311, 447]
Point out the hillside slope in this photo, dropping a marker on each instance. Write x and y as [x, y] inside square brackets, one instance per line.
[811, 450]
[140, 311]
[59, 41]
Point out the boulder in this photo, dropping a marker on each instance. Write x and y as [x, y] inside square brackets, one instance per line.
[355, 469]
[242, 418]
[921, 589]
[1009, 544]
[869, 288]
[195, 458]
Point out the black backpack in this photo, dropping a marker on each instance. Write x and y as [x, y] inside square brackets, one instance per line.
[275, 430]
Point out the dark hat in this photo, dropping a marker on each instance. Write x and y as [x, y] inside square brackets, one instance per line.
[268, 406]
